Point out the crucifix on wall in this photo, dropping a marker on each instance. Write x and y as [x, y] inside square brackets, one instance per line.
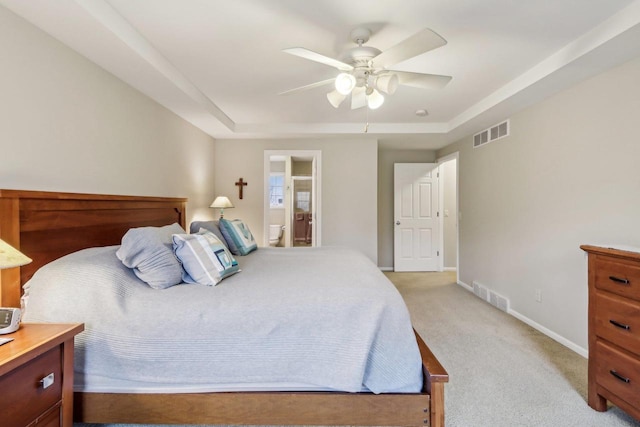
[241, 184]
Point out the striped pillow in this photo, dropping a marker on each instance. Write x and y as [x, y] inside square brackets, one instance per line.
[238, 236]
[205, 259]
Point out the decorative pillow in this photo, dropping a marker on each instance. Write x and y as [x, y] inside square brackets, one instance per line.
[205, 259]
[149, 252]
[238, 236]
[212, 226]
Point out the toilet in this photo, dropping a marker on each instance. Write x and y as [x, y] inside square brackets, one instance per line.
[275, 233]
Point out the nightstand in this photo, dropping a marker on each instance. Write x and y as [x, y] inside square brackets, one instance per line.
[36, 375]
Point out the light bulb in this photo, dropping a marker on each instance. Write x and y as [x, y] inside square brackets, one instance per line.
[345, 83]
[375, 99]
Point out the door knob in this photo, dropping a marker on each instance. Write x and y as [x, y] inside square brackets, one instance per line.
[397, 222]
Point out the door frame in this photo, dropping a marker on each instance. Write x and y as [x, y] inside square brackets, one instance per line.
[441, 160]
[316, 157]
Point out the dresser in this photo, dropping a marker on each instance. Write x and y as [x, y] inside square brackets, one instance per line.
[36, 375]
[614, 328]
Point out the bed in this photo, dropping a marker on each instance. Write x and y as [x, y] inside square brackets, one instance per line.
[48, 226]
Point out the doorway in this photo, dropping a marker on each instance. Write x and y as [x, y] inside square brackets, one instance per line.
[302, 210]
[292, 198]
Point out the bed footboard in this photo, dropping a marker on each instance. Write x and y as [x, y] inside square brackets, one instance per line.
[276, 408]
[255, 408]
[435, 377]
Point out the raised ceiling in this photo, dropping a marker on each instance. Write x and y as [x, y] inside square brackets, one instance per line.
[219, 63]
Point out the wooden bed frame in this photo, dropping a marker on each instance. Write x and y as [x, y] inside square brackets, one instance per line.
[48, 225]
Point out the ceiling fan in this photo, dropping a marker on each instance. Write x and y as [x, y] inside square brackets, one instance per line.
[364, 71]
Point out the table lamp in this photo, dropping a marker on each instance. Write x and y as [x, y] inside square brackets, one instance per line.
[221, 202]
[11, 257]
[10, 317]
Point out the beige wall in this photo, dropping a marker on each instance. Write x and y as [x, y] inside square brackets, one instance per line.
[386, 160]
[349, 193]
[68, 125]
[567, 175]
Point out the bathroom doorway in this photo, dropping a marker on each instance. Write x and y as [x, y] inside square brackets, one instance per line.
[302, 221]
[292, 198]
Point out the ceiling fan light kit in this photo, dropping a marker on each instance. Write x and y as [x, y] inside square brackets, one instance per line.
[364, 72]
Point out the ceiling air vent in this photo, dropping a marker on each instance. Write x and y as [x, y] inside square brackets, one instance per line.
[488, 135]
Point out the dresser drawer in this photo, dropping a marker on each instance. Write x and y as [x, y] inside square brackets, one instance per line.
[24, 398]
[52, 418]
[618, 320]
[618, 372]
[618, 277]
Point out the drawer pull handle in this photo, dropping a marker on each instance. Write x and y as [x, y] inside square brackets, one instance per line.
[620, 377]
[620, 325]
[47, 381]
[619, 280]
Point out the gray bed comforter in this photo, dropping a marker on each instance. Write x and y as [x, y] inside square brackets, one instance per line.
[324, 317]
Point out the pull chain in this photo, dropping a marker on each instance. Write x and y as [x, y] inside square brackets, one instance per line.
[366, 125]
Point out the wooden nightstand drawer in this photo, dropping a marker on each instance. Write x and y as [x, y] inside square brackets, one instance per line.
[618, 277]
[618, 372]
[24, 395]
[51, 418]
[618, 320]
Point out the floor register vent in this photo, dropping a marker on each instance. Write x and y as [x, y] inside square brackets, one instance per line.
[489, 135]
[490, 296]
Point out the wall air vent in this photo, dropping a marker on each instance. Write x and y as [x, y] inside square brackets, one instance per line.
[489, 135]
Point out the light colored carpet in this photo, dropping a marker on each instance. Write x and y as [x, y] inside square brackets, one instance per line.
[503, 373]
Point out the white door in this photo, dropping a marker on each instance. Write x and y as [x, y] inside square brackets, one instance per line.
[417, 226]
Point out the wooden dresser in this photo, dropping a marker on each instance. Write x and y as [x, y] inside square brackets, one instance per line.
[36, 376]
[614, 328]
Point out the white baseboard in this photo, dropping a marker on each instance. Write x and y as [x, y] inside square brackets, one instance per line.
[535, 325]
[559, 338]
[464, 285]
[450, 269]
[386, 268]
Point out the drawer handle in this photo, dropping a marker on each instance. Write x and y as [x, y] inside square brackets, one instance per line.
[620, 325]
[620, 377]
[619, 280]
[47, 381]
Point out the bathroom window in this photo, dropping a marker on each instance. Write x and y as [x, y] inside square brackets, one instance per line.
[302, 200]
[276, 190]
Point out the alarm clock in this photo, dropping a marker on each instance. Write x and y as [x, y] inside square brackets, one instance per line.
[9, 320]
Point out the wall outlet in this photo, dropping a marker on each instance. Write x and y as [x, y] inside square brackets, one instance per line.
[539, 295]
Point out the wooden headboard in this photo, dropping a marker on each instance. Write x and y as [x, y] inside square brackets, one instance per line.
[48, 225]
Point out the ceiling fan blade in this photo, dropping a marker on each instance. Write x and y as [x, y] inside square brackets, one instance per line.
[313, 56]
[422, 81]
[307, 87]
[415, 45]
[358, 98]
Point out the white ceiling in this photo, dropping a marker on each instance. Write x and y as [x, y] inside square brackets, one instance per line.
[219, 63]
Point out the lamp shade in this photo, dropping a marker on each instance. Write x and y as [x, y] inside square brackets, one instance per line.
[375, 99]
[388, 83]
[11, 257]
[335, 98]
[221, 202]
[345, 83]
